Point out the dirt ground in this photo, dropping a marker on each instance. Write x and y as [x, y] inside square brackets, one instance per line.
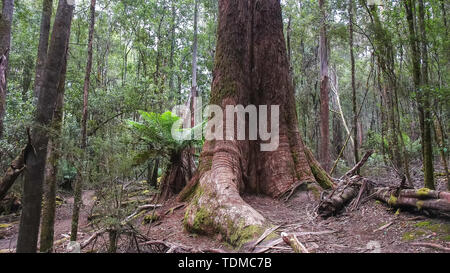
[373, 227]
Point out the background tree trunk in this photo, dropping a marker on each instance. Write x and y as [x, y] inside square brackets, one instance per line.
[47, 10]
[324, 147]
[428, 169]
[87, 80]
[5, 42]
[352, 61]
[35, 160]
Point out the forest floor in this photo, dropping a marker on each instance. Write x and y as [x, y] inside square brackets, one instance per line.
[372, 227]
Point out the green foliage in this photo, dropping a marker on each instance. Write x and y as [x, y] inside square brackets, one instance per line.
[156, 132]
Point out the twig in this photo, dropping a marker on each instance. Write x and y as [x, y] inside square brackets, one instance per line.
[139, 209]
[263, 236]
[293, 241]
[384, 227]
[430, 245]
[360, 164]
[90, 239]
[174, 208]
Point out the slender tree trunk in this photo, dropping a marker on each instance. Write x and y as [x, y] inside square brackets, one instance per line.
[5, 42]
[154, 177]
[352, 60]
[182, 164]
[440, 139]
[386, 61]
[87, 80]
[47, 9]
[26, 77]
[251, 68]
[51, 167]
[172, 47]
[428, 169]
[324, 147]
[35, 160]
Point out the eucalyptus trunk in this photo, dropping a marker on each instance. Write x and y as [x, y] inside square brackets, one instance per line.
[251, 68]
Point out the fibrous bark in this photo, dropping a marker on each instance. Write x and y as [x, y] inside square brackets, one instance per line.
[251, 68]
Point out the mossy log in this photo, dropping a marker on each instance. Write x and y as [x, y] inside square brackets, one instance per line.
[438, 202]
[357, 187]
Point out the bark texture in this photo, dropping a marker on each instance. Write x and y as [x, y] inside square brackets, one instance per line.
[51, 168]
[251, 67]
[35, 161]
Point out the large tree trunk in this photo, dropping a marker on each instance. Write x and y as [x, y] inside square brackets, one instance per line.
[251, 68]
[324, 147]
[35, 160]
[5, 41]
[47, 9]
[87, 80]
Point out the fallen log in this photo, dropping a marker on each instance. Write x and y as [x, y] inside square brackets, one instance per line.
[341, 196]
[16, 168]
[13, 172]
[419, 199]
